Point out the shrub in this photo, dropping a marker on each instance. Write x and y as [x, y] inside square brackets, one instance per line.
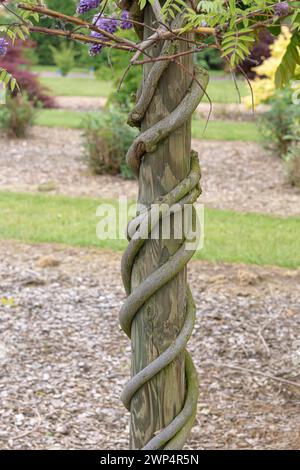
[125, 97]
[259, 52]
[113, 65]
[43, 41]
[17, 116]
[264, 84]
[64, 58]
[210, 58]
[106, 141]
[15, 62]
[279, 125]
[292, 160]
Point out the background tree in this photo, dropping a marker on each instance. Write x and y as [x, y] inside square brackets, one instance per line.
[158, 314]
[16, 62]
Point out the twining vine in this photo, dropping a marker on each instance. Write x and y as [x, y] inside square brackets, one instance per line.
[187, 191]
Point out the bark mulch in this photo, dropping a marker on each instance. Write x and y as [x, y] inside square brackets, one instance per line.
[64, 359]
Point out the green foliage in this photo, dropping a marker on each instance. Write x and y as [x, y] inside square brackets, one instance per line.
[281, 127]
[281, 124]
[125, 97]
[236, 25]
[15, 30]
[291, 59]
[43, 42]
[236, 45]
[210, 58]
[7, 80]
[292, 160]
[17, 116]
[64, 57]
[106, 141]
[114, 65]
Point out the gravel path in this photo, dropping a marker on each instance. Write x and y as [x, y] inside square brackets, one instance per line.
[64, 359]
[236, 175]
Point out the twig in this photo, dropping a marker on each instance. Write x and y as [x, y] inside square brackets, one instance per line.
[166, 57]
[250, 87]
[158, 13]
[74, 20]
[194, 78]
[245, 370]
[78, 37]
[26, 433]
[260, 333]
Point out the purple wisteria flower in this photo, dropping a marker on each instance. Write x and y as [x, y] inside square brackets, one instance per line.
[3, 46]
[281, 9]
[126, 23]
[87, 5]
[107, 24]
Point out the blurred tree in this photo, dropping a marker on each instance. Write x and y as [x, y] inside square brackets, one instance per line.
[45, 57]
[260, 52]
[15, 62]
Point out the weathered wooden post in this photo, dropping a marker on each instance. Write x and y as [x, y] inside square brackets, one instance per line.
[168, 96]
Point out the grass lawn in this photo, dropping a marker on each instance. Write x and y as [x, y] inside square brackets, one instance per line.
[216, 130]
[54, 69]
[229, 236]
[220, 90]
[224, 90]
[60, 118]
[65, 86]
[226, 130]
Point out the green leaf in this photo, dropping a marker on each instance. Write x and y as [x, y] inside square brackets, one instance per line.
[13, 82]
[291, 58]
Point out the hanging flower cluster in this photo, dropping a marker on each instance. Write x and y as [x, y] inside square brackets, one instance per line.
[126, 23]
[87, 5]
[281, 9]
[3, 46]
[108, 24]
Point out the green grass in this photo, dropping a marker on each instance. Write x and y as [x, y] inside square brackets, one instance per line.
[216, 130]
[229, 236]
[219, 90]
[226, 130]
[66, 86]
[224, 90]
[54, 69]
[60, 118]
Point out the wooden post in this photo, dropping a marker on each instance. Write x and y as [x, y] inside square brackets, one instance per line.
[160, 319]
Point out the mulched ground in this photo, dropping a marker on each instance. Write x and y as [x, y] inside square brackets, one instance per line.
[236, 175]
[64, 359]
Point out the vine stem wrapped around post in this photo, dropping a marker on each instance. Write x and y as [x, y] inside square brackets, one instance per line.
[158, 314]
